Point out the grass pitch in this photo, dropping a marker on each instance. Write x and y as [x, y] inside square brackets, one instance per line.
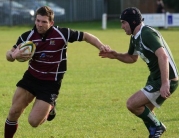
[92, 100]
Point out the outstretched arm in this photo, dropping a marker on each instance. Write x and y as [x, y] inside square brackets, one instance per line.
[93, 40]
[123, 57]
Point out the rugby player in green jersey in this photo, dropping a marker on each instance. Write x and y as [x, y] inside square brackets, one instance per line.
[149, 44]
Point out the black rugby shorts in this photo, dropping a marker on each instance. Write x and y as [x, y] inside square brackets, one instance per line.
[42, 89]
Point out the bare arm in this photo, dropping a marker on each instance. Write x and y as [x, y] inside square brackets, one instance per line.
[93, 40]
[123, 57]
[164, 69]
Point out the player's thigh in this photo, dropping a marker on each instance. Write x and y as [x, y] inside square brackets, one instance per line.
[20, 101]
[22, 97]
[137, 100]
[39, 112]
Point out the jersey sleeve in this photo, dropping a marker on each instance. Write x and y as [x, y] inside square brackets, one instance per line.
[21, 38]
[72, 35]
[75, 36]
[151, 39]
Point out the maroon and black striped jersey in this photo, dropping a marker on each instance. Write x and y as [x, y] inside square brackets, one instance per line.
[50, 61]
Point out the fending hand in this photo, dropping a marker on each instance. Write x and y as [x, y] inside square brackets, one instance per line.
[108, 54]
[104, 48]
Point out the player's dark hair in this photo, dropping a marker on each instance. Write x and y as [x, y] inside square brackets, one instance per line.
[45, 11]
[133, 16]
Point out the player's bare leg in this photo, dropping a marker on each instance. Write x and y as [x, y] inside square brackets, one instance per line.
[39, 112]
[139, 105]
[20, 101]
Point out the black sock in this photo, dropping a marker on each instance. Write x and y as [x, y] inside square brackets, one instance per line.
[10, 128]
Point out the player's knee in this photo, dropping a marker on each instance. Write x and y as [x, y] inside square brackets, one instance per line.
[14, 114]
[33, 122]
[129, 105]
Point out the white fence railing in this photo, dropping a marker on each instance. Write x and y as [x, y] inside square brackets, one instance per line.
[162, 20]
[155, 20]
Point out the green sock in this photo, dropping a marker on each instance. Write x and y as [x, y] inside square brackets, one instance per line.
[149, 118]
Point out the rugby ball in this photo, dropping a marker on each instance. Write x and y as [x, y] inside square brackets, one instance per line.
[30, 50]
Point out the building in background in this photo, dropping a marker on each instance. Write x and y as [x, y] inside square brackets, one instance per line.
[84, 10]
